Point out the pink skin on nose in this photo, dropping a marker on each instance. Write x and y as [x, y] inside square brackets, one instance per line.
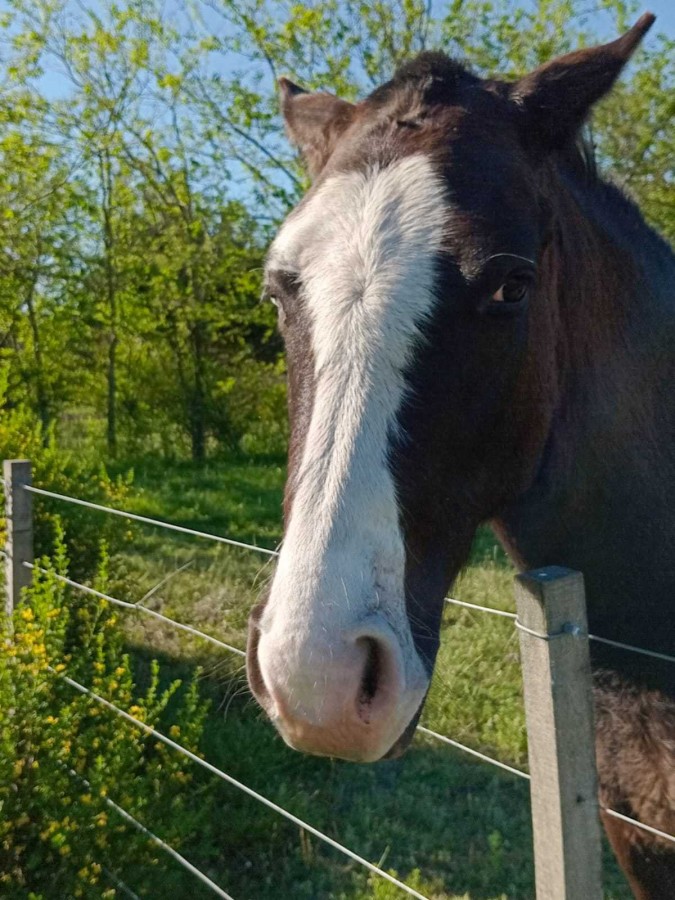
[346, 698]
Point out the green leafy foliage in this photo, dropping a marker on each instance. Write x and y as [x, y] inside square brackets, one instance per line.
[141, 184]
[62, 755]
[70, 473]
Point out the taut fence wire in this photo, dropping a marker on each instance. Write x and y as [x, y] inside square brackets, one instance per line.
[146, 520]
[122, 885]
[242, 545]
[630, 821]
[195, 632]
[170, 851]
[125, 604]
[214, 770]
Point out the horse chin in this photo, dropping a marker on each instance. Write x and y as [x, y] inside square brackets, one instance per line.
[403, 742]
[400, 746]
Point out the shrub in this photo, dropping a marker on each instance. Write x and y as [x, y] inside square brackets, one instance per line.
[62, 754]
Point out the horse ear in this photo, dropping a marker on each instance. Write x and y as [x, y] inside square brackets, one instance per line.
[556, 98]
[314, 122]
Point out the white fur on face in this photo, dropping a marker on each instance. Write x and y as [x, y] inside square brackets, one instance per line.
[363, 247]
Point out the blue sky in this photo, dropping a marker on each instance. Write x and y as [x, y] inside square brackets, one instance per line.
[665, 11]
[54, 84]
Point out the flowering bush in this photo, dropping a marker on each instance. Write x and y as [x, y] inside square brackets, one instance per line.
[62, 753]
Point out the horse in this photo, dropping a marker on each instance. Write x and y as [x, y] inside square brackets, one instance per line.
[478, 329]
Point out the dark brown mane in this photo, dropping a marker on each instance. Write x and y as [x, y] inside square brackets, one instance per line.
[602, 198]
[433, 76]
[579, 157]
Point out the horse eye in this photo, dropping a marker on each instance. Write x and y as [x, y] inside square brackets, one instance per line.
[512, 291]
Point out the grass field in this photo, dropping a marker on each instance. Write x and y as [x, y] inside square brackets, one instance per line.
[463, 824]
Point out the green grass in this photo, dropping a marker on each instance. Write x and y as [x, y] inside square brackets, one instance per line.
[463, 824]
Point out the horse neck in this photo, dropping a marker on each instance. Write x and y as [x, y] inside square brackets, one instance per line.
[610, 280]
[601, 499]
[609, 277]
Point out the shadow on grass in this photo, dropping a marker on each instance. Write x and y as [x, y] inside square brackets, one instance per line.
[240, 499]
[463, 825]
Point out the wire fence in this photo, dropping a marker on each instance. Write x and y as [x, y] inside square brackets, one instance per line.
[170, 851]
[145, 520]
[214, 770]
[139, 608]
[122, 885]
[125, 604]
[242, 545]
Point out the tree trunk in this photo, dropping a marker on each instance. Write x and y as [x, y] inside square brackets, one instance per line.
[111, 431]
[198, 411]
[41, 391]
[107, 189]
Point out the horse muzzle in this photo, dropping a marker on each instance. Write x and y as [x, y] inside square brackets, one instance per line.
[351, 694]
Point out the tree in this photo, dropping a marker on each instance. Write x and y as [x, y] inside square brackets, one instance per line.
[41, 215]
[138, 193]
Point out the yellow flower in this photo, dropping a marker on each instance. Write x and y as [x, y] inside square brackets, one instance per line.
[174, 731]
[59, 668]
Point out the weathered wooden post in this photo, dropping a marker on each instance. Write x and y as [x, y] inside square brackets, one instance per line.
[561, 734]
[19, 515]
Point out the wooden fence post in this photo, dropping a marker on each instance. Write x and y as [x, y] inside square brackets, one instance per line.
[561, 734]
[19, 516]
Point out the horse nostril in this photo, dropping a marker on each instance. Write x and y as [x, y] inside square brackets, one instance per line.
[253, 671]
[370, 681]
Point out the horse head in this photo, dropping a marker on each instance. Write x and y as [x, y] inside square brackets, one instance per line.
[419, 302]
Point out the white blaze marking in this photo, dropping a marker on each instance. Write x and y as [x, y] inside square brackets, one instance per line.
[364, 248]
